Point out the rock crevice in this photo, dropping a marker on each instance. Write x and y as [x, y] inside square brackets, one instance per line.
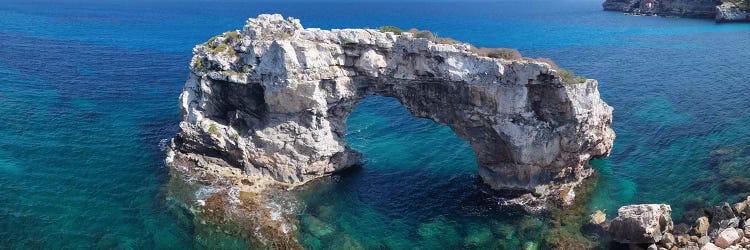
[272, 101]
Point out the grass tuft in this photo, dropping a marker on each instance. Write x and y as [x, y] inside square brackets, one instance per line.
[198, 64]
[214, 130]
[232, 36]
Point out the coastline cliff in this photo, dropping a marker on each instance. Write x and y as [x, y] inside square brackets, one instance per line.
[722, 11]
[266, 108]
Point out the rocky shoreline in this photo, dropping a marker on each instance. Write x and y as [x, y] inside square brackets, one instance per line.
[650, 226]
[722, 11]
[225, 205]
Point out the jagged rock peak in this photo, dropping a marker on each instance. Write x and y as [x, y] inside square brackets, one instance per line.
[270, 102]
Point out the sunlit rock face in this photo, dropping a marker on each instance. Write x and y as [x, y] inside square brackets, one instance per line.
[729, 12]
[721, 11]
[675, 8]
[270, 102]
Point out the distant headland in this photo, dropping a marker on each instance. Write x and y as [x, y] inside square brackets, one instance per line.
[723, 11]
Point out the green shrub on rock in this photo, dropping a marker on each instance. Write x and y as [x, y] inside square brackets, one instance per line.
[198, 64]
[424, 34]
[581, 79]
[510, 54]
[232, 36]
[570, 78]
[214, 130]
[220, 48]
[500, 53]
[566, 75]
[394, 29]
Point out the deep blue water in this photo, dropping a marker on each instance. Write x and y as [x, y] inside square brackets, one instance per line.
[88, 90]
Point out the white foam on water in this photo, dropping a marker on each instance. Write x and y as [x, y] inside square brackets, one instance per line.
[276, 210]
[284, 228]
[170, 157]
[163, 144]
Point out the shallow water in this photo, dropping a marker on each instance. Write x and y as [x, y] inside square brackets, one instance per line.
[88, 91]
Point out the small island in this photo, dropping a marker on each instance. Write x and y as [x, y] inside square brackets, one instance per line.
[265, 109]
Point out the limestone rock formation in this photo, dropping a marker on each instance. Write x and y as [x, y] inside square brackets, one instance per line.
[677, 8]
[270, 103]
[721, 217]
[733, 11]
[701, 226]
[638, 224]
[650, 225]
[720, 10]
[728, 237]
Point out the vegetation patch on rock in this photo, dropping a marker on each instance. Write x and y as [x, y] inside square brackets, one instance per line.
[500, 53]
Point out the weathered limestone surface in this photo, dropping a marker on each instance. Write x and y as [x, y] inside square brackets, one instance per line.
[730, 11]
[649, 226]
[646, 223]
[271, 101]
[722, 11]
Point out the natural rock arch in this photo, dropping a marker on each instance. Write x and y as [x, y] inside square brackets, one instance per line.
[270, 102]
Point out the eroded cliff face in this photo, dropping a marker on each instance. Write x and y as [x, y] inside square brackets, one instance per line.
[733, 11]
[268, 105]
[676, 8]
[720, 10]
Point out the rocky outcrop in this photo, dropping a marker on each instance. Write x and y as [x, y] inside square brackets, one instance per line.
[270, 104]
[620, 5]
[733, 11]
[721, 11]
[640, 224]
[676, 8]
[650, 227]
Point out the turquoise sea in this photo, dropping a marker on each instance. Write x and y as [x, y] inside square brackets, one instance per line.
[88, 97]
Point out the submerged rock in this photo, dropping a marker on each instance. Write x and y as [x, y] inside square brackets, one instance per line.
[530, 245]
[639, 224]
[439, 233]
[598, 217]
[271, 102]
[478, 236]
[316, 227]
